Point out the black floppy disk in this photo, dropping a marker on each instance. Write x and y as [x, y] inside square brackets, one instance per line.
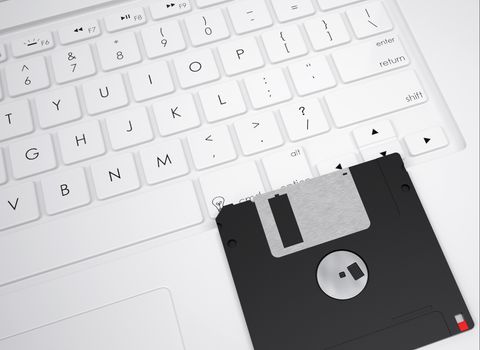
[344, 261]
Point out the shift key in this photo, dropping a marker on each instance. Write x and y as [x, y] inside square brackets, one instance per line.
[374, 98]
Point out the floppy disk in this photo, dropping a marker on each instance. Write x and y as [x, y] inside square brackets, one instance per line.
[347, 260]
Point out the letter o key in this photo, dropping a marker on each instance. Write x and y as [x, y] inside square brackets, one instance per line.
[195, 66]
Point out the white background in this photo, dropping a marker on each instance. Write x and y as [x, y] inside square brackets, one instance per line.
[448, 35]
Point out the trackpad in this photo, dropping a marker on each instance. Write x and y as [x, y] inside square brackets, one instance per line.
[146, 322]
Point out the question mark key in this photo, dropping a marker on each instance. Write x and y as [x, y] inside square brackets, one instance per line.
[304, 120]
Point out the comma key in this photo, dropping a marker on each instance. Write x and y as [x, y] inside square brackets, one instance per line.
[212, 147]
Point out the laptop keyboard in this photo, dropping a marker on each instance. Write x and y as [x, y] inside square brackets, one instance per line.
[124, 100]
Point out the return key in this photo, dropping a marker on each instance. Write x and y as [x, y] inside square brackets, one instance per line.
[370, 58]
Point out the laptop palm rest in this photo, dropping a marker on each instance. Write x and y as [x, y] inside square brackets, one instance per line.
[146, 321]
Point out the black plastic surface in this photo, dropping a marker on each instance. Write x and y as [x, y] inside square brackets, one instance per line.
[411, 298]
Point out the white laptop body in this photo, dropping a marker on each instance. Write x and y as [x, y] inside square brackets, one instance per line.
[122, 256]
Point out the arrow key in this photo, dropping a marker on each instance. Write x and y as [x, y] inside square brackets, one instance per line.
[337, 163]
[426, 141]
[382, 150]
[373, 133]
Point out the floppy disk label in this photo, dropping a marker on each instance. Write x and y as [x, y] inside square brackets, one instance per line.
[320, 210]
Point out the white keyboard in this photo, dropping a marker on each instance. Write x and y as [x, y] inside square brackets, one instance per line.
[143, 119]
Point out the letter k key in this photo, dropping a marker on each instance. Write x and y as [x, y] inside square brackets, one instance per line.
[174, 112]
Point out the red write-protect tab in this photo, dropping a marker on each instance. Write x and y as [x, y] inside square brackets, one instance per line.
[463, 326]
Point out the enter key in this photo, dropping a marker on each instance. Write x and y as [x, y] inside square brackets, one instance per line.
[370, 58]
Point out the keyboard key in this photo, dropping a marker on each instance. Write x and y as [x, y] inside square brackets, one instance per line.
[3, 171]
[164, 161]
[224, 186]
[330, 4]
[118, 51]
[377, 132]
[129, 17]
[207, 27]
[195, 68]
[26, 76]
[18, 205]
[258, 133]
[426, 141]
[241, 55]
[369, 19]
[163, 209]
[286, 167]
[150, 81]
[161, 9]
[304, 119]
[249, 15]
[3, 53]
[222, 101]
[176, 114]
[163, 39]
[339, 162]
[267, 88]
[65, 191]
[79, 31]
[114, 176]
[81, 141]
[205, 3]
[367, 59]
[311, 75]
[292, 9]
[381, 150]
[104, 94]
[327, 31]
[211, 147]
[129, 128]
[32, 43]
[283, 44]
[374, 98]
[15, 119]
[57, 107]
[32, 156]
[73, 63]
